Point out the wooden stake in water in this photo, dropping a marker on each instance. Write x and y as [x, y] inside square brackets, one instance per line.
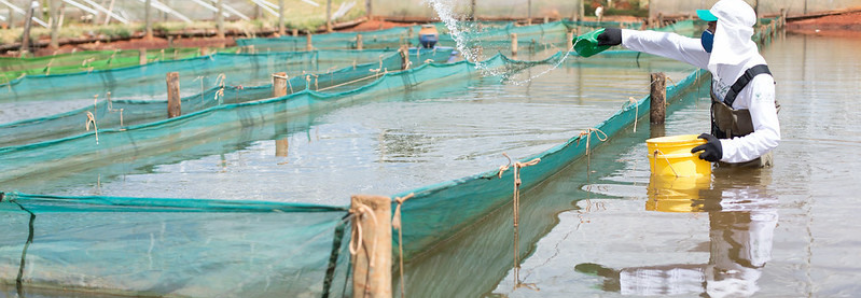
[514, 44]
[309, 46]
[569, 39]
[174, 105]
[359, 43]
[279, 84]
[371, 246]
[658, 95]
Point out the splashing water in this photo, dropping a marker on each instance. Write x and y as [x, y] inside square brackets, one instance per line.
[444, 9]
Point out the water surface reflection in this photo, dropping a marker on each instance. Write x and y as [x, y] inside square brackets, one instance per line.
[742, 216]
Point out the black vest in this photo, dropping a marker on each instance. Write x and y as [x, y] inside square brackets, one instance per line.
[727, 122]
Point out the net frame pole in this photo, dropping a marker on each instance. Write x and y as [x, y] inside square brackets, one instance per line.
[658, 98]
[174, 104]
[372, 280]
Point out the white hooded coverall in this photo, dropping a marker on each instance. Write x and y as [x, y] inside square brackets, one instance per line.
[732, 54]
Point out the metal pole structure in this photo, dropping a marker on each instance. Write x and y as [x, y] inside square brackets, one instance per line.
[369, 9]
[328, 15]
[25, 38]
[219, 19]
[472, 11]
[110, 12]
[582, 10]
[281, 17]
[756, 11]
[148, 19]
[55, 24]
[529, 12]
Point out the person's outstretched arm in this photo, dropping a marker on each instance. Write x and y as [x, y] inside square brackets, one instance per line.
[669, 45]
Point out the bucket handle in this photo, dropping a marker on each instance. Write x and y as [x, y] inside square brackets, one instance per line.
[655, 162]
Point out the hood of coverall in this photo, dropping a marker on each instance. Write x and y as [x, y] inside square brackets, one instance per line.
[733, 51]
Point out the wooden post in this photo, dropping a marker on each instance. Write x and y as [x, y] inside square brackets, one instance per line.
[372, 280]
[204, 51]
[295, 32]
[148, 19]
[281, 17]
[782, 17]
[55, 24]
[514, 44]
[174, 105]
[219, 19]
[405, 57]
[359, 43]
[328, 15]
[309, 46]
[279, 84]
[142, 56]
[25, 37]
[658, 95]
[569, 39]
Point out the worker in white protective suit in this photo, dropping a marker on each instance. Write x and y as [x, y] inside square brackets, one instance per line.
[745, 128]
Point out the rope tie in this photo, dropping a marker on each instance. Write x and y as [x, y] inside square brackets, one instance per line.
[356, 241]
[356, 238]
[655, 161]
[396, 224]
[517, 181]
[221, 77]
[92, 119]
[87, 61]
[633, 101]
[588, 134]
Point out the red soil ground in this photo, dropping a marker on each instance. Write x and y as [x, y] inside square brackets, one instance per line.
[847, 25]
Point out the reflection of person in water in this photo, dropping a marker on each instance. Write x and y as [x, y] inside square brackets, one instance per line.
[742, 219]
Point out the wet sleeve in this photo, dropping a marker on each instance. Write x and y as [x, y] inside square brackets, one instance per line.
[758, 97]
[669, 45]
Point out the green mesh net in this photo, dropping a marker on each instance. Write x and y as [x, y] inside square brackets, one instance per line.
[119, 114]
[173, 248]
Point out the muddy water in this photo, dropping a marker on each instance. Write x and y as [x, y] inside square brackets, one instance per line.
[599, 229]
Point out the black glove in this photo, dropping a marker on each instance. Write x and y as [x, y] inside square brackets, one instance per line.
[712, 150]
[610, 37]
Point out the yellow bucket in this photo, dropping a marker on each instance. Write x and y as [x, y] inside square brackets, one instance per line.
[672, 157]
